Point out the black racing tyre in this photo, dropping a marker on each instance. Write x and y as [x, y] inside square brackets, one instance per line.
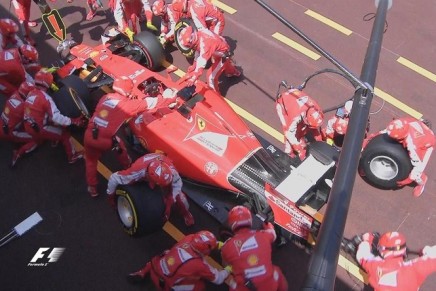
[182, 23]
[73, 97]
[384, 162]
[153, 52]
[140, 209]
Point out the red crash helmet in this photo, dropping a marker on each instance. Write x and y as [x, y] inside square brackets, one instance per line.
[8, 27]
[239, 216]
[123, 86]
[204, 242]
[159, 7]
[187, 36]
[29, 53]
[313, 117]
[392, 244]
[25, 88]
[43, 79]
[398, 129]
[159, 173]
[340, 125]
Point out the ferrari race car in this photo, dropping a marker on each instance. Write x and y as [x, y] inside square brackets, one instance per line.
[221, 160]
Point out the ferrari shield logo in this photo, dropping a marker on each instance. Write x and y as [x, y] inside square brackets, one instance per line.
[201, 123]
[55, 24]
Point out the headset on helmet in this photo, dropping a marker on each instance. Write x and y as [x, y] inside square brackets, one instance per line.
[313, 117]
[44, 79]
[239, 216]
[159, 7]
[398, 129]
[159, 173]
[187, 36]
[29, 53]
[204, 242]
[123, 86]
[25, 88]
[392, 244]
[8, 27]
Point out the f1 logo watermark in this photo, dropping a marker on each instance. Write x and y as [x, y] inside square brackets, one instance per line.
[52, 257]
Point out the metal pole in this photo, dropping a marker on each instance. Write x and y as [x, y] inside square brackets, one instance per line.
[323, 263]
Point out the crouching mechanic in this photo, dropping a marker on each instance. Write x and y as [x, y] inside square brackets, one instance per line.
[184, 267]
[43, 120]
[419, 140]
[248, 254]
[299, 115]
[113, 110]
[158, 170]
[388, 270]
[207, 46]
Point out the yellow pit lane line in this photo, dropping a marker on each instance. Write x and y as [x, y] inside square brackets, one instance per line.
[296, 46]
[224, 7]
[328, 22]
[414, 67]
[397, 103]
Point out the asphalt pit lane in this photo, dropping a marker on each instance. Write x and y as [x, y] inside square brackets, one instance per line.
[51, 222]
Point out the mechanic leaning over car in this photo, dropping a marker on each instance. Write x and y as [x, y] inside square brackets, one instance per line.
[206, 16]
[158, 170]
[419, 140]
[11, 122]
[299, 115]
[387, 269]
[43, 121]
[184, 267]
[112, 111]
[207, 46]
[248, 254]
[127, 12]
[169, 14]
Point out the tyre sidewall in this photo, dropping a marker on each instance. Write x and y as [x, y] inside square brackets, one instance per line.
[151, 48]
[63, 97]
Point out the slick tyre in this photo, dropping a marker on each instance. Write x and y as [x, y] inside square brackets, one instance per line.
[152, 50]
[182, 23]
[139, 209]
[73, 97]
[384, 162]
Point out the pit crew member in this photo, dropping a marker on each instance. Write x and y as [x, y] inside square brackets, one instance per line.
[184, 267]
[22, 10]
[207, 16]
[419, 140]
[300, 115]
[43, 121]
[112, 111]
[11, 122]
[127, 12]
[208, 46]
[8, 34]
[93, 5]
[388, 270]
[248, 254]
[158, 170]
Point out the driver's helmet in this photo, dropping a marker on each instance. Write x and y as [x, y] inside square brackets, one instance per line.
[8, 27]
[392, 245]
[204, 242]
[29, 54]
[159, 173]
[25, 89]
[43, 79]
[313, 117]
[159, 7]
[123, 86]
[398, 129]
[239, 216]
[340, 126]
[188, 36]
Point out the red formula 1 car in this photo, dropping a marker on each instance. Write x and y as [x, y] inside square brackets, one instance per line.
[222, 161]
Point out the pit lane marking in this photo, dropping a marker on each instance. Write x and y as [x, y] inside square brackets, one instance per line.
[418, 69]
[397, 103]
[224, 7]
[328, 22]
[296, 46]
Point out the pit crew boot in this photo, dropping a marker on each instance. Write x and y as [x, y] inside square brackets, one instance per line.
[419, 189]
[75, 157]
[32, 23]
[15, 157]
[92, 12]
[92, 190]
[139, 276]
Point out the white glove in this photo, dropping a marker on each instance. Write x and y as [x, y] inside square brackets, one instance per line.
[429, 251]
